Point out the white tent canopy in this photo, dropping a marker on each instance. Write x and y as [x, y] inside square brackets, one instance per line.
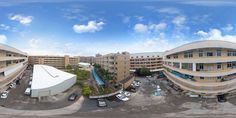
[48, 81]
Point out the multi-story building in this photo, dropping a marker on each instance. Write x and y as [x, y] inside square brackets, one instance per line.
[204, 67]
[150, 60]
[118, 64]
[59, 62]
[12, 64]
[87, 59]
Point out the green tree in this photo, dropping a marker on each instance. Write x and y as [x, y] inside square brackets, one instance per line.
[69, 67]
[143, 72]
[86, 90]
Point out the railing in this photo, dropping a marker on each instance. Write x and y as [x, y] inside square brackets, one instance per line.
[207, 88]
[215, 73]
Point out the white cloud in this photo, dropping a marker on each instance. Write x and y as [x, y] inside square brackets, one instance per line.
[126, 19]
[211, 3]
[25, 20]
[140, 28]
[228, 28]
[158, 27]
[34, 43]
[179, 20]
[169, 10]
[139, 18]
[202, 33]
[3, 38]
[4, 27]
[92, 26]
[216, 34]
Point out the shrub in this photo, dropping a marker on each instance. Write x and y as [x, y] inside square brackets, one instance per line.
[86, 91]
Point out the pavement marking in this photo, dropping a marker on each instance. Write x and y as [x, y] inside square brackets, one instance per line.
[61, 111]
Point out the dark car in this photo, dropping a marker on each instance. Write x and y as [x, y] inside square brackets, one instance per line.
[72, 97]
[101, 102]
[131, 89]
[221, 98]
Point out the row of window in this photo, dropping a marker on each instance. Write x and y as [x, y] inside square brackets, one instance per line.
[201, 53]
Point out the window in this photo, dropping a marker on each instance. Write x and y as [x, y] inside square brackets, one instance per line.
[209, 54]
[218, 65]
[219, 77]
[218, 52]
[168, 57]
[188, 54]
[229, 64]
[200, 53]
[201, 77]
[175, 56]
[231, 53]
[200, 67]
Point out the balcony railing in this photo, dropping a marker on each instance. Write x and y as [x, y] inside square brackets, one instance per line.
[202, 88]
[216, 73]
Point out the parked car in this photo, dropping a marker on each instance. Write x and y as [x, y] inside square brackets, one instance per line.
[131, 89]
[18, 81]
[126, 93]
[30, 82]
[122, 97]
[72, 97]
[4, 94]
[221, 98]
[101, 102]
[27, 91]
[12, 85]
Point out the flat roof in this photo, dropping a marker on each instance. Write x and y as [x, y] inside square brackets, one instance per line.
[47, 76]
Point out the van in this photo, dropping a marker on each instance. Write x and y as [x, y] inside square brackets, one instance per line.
[27, 91]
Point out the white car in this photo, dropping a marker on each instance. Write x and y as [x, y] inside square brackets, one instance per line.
[12, 85]
[122, 97]
[158, 86]
[126, 93]
[4, 94]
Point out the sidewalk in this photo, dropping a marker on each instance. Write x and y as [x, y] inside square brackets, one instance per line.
[61, 111]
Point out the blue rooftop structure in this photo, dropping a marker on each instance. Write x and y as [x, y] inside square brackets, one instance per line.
[97, 78]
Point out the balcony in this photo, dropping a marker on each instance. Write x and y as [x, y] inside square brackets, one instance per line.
[12, 58]
[214, 59]
[215, 73]
[202, 88]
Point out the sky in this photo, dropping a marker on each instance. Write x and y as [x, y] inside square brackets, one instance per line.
[88, 27]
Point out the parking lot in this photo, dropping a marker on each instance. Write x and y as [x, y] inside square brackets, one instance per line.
[17, 99]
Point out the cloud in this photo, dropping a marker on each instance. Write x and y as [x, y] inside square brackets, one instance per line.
[179, 20]
[4, 27]
[126, 19]
[34, 43]
[202, 33]
[3, 38]
[228, 28]
[216, 34]
[25, 20]
[92, 26]
[139, 18]
[209, 3]
[169, 10]
[142, 28]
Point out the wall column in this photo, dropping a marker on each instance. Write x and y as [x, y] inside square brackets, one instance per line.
[194, 66]
[180, 65]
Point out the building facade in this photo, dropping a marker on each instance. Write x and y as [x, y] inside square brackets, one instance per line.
[87, 59]
[150, 60]
[118, 64]
[12, 64]
[59, 62]
[203, 67]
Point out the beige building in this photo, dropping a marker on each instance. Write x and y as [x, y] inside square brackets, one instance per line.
[203, 67]
[117, 63]
[87, 59]
[59, 62]
[12, 64]
[150, 60]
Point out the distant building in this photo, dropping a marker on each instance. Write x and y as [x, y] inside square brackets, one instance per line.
[49, 81]
[150, 60]
[118, 64]
[87, 59]
[12, 64]
[59, 62]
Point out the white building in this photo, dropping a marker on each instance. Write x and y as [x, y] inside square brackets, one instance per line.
[48, 81]
[84, 65]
